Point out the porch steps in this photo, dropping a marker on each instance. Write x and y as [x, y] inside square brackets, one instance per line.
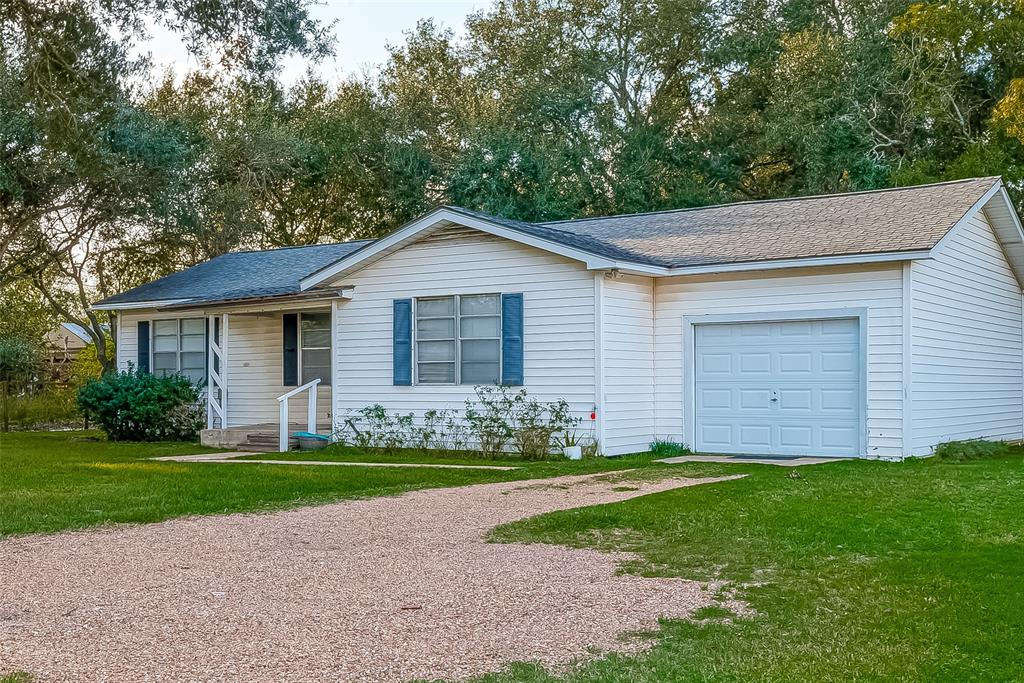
[267, 442]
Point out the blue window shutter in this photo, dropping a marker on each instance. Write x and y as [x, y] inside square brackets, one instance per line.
[290, 350]
[401, 342]
[142, 346]
[512, 340]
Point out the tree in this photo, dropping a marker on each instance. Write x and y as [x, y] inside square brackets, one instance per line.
[19, 362]
[84, 170]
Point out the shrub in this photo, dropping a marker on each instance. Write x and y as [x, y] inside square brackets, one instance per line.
[138, 406]
[667, 449]
[488, 420]
[497, 422]
[972, 449]
[45, 408]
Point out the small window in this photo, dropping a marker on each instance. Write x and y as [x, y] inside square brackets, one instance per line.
[315, 343]
[179, 347]
[458, 339]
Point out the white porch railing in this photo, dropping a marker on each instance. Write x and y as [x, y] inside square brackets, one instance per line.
[282, 402]
[216, 385]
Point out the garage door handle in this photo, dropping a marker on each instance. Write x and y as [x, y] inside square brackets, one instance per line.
[774, 399]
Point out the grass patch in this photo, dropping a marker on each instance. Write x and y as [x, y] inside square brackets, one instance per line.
[53, 481]
[858, 571]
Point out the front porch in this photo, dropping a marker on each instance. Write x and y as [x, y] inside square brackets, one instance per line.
[264, 437]
[268, 367]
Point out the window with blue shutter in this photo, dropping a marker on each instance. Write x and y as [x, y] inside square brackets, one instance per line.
[142, 346]
[512, 339]
[401, 342]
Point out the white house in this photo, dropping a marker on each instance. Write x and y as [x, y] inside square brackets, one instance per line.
[873, 324]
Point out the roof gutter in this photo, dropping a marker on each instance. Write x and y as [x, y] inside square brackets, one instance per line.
[184, 304]
[130, 305]
[800, 262]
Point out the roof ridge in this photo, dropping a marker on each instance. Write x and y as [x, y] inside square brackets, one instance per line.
[775, 200]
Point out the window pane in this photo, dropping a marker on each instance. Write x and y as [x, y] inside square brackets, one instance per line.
[310, 374]
[437, 328]
[165, 327]
[165, 344]
[436, 373]
[316, 357]
[193, 342]
[480, 327]
[435, 308]
[165, 361]
[193, 361]
[316, 339]
[480, 304]
[193, 326]
[195, 376]
[435, 350]
[480, 350]
[479, 373]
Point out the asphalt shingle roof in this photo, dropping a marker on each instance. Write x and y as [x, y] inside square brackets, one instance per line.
[891, 220]
[898, 219]
[241, 275]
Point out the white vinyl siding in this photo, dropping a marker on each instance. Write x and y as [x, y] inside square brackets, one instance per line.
[967, 364]
[879, 289]
[558, 326]
[627, 323]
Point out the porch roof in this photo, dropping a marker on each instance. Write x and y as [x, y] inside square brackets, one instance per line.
[237, 276]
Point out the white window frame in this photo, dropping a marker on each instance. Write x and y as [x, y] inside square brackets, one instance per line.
[328, 348]
[457, 315]
[179, 322]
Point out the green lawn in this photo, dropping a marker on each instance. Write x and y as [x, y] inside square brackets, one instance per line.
[858, 571]
[52, 481]
[863, 571]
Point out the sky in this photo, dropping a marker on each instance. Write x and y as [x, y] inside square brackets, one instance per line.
[363, 29]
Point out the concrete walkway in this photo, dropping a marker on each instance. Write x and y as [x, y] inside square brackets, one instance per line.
[234, 457]
[746, 460]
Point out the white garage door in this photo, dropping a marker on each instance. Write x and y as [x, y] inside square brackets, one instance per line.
[778, 388]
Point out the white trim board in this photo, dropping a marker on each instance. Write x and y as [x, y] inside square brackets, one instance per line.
[689, 380]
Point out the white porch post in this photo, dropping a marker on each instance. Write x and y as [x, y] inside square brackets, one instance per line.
[216, 380]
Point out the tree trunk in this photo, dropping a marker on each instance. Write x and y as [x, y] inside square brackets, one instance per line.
[6, 423]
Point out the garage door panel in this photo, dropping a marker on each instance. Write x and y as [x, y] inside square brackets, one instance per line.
[795, 436]
[758, 363]
[716, 435]
[796, 363]
[786, 388]
[799, 400]
[755, 436]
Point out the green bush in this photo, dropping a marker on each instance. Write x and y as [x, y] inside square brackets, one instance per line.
[138, 406]
[972, 449]
[668, 449]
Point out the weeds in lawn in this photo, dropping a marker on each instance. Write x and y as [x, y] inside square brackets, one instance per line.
[660, 448]
[973, 449]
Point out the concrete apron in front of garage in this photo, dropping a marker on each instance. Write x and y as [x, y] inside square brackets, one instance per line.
[781, 461]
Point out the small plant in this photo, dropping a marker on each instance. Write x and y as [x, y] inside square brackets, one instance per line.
[663, 448]
[971, 449]
[487, 420]
[137, 406]
[590, 447]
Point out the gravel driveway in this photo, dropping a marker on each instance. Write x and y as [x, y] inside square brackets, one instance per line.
[384, 589]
